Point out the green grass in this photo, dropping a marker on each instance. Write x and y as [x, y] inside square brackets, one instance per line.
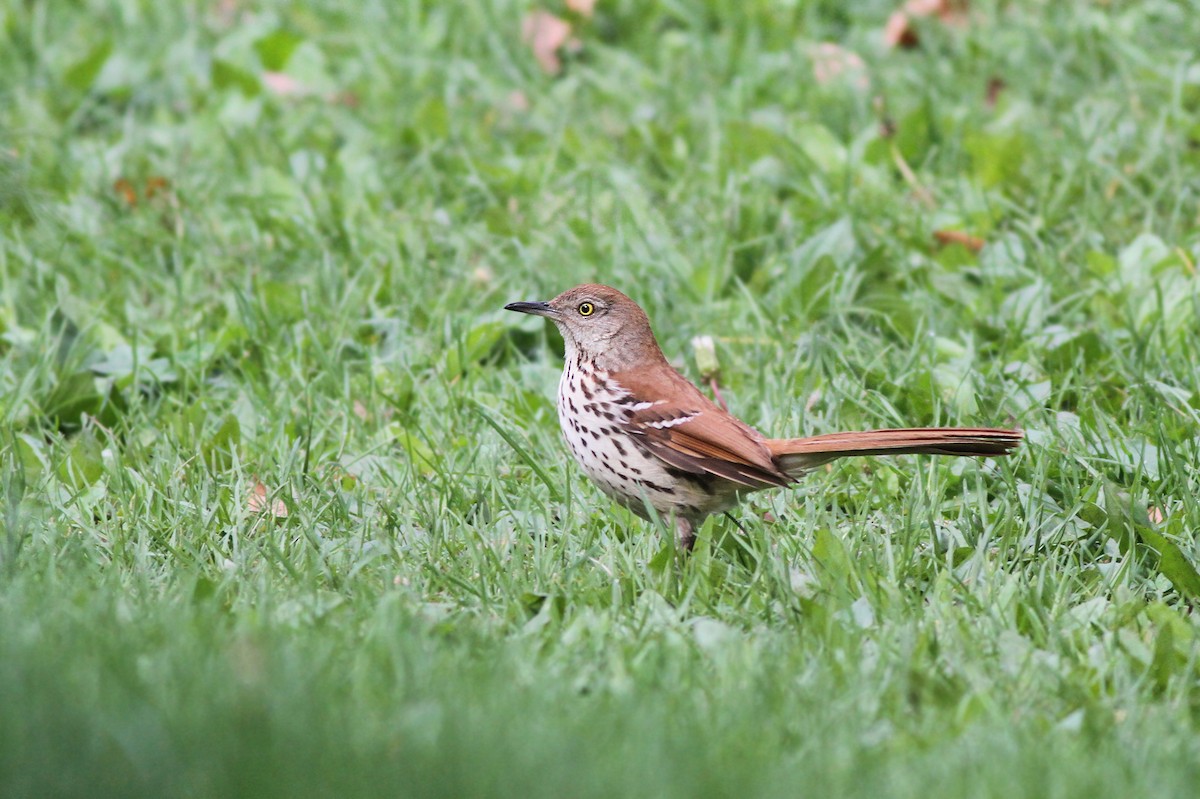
[305, 294]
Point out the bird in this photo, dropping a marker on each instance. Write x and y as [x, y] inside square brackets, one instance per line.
[654, 443]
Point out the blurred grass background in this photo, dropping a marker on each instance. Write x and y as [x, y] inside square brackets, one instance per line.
[285, 508]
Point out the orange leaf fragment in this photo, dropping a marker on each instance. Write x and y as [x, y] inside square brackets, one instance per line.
[995, 86]
[584, 8]
[258, 502]
[284, 85]
[898, 32]
[156, 184]
[126, 192]
[972, 243]
[950, 12]
[546, 34]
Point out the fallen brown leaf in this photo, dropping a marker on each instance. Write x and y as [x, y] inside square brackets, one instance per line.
[346, 98]
[995, 85]
[584, 8]
[284, 85]
[517, 102]
[126, 192]
[972, 243]
[950, 12]
[898, 32]
[258, 502]
[155, 185]
[546, 34]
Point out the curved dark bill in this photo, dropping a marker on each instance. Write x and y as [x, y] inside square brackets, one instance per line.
[535, 308]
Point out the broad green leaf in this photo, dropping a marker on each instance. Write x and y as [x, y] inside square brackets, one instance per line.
[995, 158]
[914, 135]
[74, 396]
[84, 463]
[276, 48]
[830, 554]
[1167, 659]
[821, 147]
[229, 76]
[218, 450]
[420, 453]
[83, 73]
[1129, 525]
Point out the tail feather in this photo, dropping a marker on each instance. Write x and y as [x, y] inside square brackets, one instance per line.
[796, 456]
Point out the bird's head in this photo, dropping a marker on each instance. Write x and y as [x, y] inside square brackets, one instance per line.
[598, 323]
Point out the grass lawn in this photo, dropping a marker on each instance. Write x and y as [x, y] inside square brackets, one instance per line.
[285, 509]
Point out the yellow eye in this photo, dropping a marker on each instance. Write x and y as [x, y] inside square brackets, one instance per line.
[586, 309]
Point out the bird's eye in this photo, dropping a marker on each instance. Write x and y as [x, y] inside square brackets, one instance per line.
[586, 309]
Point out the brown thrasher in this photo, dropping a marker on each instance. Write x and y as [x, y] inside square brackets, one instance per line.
[648, 437]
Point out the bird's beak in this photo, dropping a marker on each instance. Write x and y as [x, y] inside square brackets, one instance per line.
[535, 308]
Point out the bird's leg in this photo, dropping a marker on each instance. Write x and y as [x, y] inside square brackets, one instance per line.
[716, 390]
[685, 534]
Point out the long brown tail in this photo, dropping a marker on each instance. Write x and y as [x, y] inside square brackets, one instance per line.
[799, 455]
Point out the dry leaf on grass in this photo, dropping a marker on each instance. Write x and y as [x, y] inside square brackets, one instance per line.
[995, 86]
[546, 34]
[155, 186]
[517, 102]
[284, 85]
[899, 32]
[950, 12]
[584, 8]
[258, 502]
[125, 191]
[972, 243]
